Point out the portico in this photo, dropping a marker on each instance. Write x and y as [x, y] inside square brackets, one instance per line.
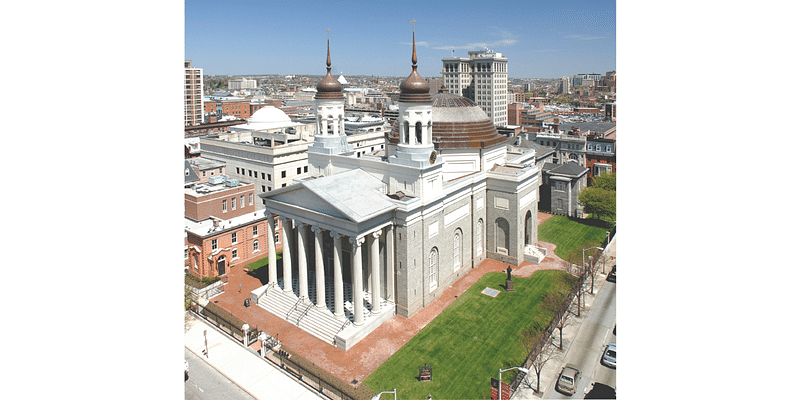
[338, 252]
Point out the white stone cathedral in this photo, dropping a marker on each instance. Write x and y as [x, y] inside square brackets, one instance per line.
[367, 238]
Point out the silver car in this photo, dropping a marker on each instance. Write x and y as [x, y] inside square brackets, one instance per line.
[566, 381]
[610, 356]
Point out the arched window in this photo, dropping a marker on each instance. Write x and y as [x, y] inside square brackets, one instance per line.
[433, 266]
[255, 246]
[406, 134]
[479, 238]
[457, 251]
[418, 129]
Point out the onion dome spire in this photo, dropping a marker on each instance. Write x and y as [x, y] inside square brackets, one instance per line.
[329, 87]
[414, 89]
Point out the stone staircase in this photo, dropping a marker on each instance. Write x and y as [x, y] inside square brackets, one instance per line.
[304, 314]
[534, 254]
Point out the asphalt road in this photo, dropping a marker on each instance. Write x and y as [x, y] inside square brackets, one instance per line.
[206, 383]
[590, 342]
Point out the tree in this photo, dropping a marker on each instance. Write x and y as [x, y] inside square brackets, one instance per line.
[605, 181]
[543, 353]
[558, 304]
[601, 202]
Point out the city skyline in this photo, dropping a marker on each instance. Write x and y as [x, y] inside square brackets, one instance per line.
[540, 39]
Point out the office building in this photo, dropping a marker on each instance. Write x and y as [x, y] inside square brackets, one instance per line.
[483, 78]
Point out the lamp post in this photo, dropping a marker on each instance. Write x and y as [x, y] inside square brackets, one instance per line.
[583, 257]
[500, 380]
[378, 396]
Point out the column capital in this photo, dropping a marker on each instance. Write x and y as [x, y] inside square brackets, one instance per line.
[335, 235]
[300, 225]
[316, 229]
[356, 241]
[284, 219]
[376, 234]
[268, 214]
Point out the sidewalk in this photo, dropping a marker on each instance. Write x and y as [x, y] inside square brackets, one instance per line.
[553, 367]
[243, 366]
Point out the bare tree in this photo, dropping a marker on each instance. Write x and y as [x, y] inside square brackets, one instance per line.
[543, 353]
[560, 305]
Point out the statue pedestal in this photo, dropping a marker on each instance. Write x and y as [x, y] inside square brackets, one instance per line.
[509, 285]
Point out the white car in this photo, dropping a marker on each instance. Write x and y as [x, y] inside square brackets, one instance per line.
[610, 356]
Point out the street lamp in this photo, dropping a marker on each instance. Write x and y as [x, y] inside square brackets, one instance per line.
[500, 380]
[378, 396]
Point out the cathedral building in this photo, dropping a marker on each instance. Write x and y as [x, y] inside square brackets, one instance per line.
[367, 238]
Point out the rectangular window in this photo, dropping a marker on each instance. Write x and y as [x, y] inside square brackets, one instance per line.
[263, 188]
[269, 178]
[250, 197]
[233, 238]
[235, 254]
[233, 203]
[305, 169]
[241, 200]
[283, 174]
[220, 170]
[255, 246]
[277, 238]
[249, 172]
[298, 170]
[204, 173]
[262, 175]
[255, 231]
[224, 205]
[213, 244]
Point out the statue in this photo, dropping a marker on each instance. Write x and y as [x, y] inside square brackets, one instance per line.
[509, 282]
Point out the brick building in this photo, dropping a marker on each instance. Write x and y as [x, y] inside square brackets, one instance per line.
[223, 227]
[239, 108]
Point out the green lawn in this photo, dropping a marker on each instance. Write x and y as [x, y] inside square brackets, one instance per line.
[468, 341]
[571, 234]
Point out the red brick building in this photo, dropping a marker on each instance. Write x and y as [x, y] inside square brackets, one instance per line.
[236, 108]
[223, 228]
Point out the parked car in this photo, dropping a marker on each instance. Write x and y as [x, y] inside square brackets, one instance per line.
[610, 356]
[601, 391]
[612, 276]
[567, 379]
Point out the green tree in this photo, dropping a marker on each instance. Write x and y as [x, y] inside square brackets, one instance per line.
[605, 181]
[601, 202]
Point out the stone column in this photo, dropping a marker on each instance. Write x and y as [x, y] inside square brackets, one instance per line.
[338, 287]
[375, 267]
[302, 265]
[245, 328]
[390, 263]
[358, 292]
[286, 227]
[320, 271]
[273, 265]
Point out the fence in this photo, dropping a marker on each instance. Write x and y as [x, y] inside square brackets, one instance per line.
[547, 332]
[303, 370]
[232, 328]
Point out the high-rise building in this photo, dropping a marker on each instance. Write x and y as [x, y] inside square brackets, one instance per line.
[193, 94]
[564, 87]
[483, 78]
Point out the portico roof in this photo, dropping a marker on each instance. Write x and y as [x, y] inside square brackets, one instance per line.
[354, 196]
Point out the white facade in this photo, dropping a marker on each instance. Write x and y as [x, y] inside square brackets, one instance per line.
[482, 77]
[241, 83]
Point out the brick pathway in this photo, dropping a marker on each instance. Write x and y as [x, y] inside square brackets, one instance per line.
[366, 356]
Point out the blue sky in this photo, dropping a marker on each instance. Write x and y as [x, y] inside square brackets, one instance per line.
[541, 39]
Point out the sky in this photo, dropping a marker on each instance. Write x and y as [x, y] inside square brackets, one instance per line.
[702, 250]
[541, 39]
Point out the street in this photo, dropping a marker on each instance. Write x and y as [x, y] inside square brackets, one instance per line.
[206, 383]
[590, 342]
